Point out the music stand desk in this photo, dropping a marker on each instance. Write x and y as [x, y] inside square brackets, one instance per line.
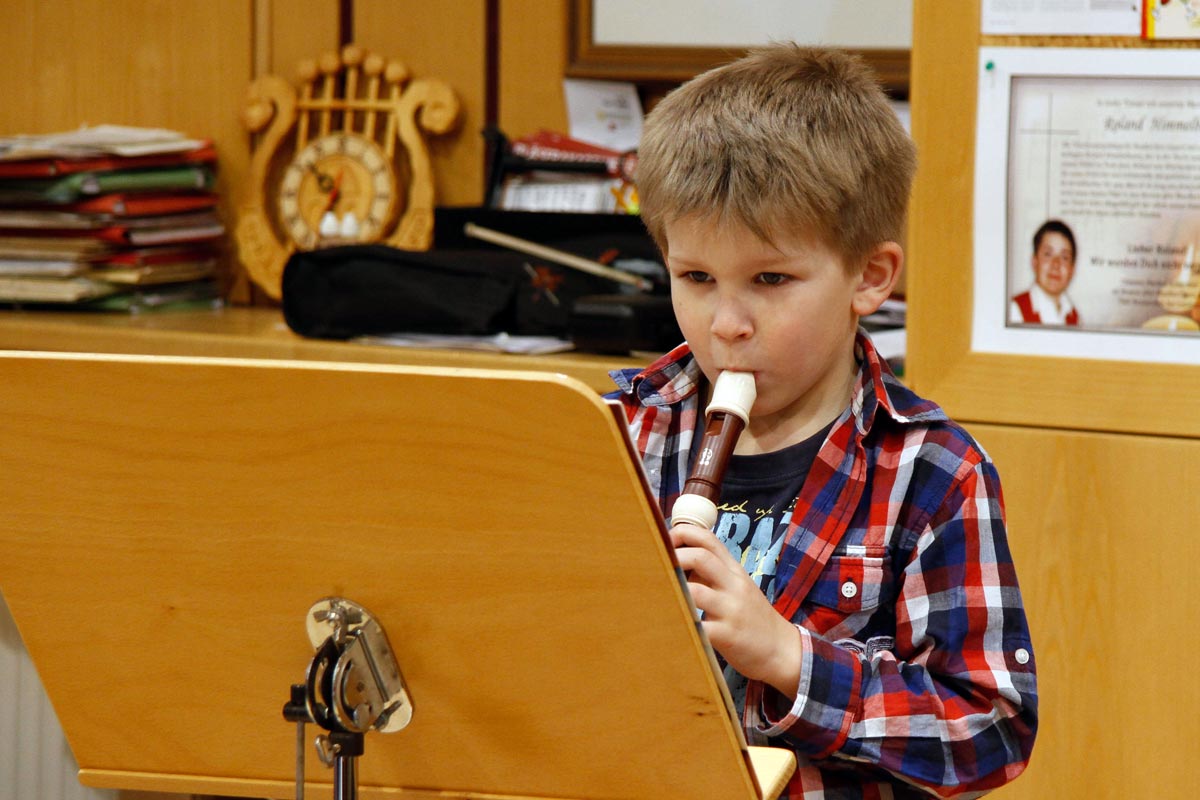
[170, 520]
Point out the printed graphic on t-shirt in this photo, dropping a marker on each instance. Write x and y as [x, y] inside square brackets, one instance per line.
[753, 532]
[754, 536]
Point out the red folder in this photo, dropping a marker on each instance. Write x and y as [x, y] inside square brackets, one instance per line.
[50, 167]
[143, 204]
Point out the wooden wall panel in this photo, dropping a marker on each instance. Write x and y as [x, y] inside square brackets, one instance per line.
[533, 58]
[444, 40]
[1021, 389]
[296, 30]
[136, 62]
[938, 267]
[1102, 528]
[179, 64]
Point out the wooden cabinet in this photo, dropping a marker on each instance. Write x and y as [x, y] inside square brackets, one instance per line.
[1102, 529]
[1101, 516]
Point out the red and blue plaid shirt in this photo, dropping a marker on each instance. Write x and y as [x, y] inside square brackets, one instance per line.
[917, 671]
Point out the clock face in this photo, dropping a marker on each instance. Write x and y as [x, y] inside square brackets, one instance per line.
[340, 186]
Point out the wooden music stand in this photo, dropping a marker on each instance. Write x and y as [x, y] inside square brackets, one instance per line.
[169, 522]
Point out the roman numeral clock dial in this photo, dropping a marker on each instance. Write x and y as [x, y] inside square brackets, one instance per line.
[338, 187]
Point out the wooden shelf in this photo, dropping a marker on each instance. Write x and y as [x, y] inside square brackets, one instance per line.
[262, 333]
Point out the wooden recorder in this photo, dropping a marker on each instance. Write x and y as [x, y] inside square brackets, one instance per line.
[725, 418]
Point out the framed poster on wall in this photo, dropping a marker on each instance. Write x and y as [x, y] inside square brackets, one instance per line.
[1087, 204]
[1103, 142]
[674, 40]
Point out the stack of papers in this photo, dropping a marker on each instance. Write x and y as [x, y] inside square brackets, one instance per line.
[586, 178]
[494, 343]
[105, 211]
[97, 140]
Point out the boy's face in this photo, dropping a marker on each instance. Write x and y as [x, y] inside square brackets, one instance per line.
[784, 313]
[1054, 263]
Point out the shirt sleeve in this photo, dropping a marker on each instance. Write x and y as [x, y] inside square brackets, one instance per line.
[951, 706]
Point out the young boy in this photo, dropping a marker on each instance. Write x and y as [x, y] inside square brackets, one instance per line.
[1046, 302]
[858, 588]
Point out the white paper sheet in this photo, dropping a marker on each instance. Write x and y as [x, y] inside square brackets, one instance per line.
[606, 113]
[1063, 17]
[494, 343]
[868, 24]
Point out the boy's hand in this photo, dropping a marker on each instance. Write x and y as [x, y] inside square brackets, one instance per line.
[739, 621]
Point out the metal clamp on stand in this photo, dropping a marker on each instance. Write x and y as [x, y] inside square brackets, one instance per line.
[353, 686]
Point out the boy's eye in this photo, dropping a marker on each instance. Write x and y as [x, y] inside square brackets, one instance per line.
[696, 276]
[771, 278]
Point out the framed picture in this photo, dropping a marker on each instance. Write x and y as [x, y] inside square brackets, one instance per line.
[1085, 136]
[673, 40]
[1087, 204]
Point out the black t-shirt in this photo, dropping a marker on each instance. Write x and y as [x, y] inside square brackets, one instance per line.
[758, 494]
[757, 498]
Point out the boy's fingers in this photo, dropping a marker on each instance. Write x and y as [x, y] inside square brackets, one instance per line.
[704, 566]
[686, 534]
[695, 561]
[703, 597]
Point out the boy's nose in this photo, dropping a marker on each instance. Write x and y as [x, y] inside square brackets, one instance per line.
[731, 320]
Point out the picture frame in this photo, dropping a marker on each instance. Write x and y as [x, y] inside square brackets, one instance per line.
[1038, 388]
[1087, 152]
[630, 56]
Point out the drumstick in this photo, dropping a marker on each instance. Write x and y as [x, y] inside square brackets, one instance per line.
[557, 256]
[725, 418]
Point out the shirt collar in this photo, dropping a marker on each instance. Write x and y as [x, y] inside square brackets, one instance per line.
[676, 377]
[879, 390]
[1047, 306]
[671, 379]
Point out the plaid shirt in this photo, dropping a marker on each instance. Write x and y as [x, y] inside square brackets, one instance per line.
[917, 670]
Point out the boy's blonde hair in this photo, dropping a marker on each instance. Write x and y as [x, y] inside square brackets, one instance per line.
[785, 141]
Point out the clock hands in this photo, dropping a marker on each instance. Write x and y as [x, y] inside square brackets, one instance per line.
[335, 190]
[335, 193]
[328, 184]
[324, 182]
[330, 226]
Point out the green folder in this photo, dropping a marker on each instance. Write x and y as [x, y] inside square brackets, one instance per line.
[72, 188]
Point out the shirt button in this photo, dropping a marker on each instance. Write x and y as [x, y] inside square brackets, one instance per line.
[849, 589]
[1022, 655]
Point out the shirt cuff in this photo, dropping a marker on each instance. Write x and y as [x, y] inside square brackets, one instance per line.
[817, 721]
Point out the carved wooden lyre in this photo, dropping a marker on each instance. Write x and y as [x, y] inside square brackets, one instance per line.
[327, 169]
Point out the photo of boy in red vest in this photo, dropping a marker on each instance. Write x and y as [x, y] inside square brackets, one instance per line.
[1046, 301]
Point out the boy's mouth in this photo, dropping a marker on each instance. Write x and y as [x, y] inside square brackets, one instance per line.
[755, 373]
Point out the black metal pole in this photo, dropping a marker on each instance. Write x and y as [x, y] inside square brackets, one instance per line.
[345, 778]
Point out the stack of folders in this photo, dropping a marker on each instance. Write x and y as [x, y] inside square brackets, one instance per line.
[108, 217]
[548, 171]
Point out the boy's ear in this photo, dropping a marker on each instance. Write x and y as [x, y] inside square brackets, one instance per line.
[880, 272]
